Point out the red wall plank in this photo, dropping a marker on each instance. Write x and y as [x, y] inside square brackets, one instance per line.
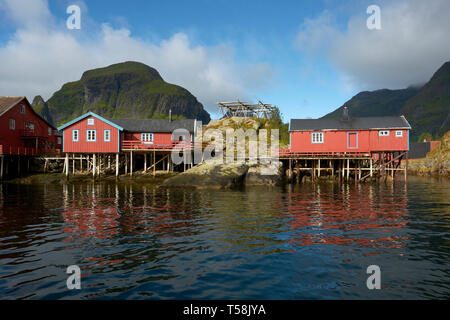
[84, 146]
[337, 141]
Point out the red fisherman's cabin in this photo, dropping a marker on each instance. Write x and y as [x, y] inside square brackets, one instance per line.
[91, 133]
[23, 131]
[349, 135]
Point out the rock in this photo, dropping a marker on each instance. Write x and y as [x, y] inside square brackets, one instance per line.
[211, 173]
[263, 174]
[214, 123]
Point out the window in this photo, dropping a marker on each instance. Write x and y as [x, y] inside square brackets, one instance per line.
[147, 137]
[91, 135]
[317, 137]
[29, 125]
[399, 133]
[12, 124]
[22, 108]
[383, 133]
[49, 131]
[90, 122]
[59, 140]
[107, 135]
[75, 135]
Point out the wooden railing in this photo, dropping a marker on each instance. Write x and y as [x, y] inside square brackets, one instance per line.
[140, 145]
[288, 153]
[26, 151]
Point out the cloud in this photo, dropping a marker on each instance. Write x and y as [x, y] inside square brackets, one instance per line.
[41, 56]
[411, 45]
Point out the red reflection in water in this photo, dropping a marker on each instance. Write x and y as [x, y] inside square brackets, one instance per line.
[91, 222]
[338, 219]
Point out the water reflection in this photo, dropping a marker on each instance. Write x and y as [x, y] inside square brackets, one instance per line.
[299, 241]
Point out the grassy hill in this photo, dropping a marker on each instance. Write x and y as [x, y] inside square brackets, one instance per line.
[426, 108]
[123, 90]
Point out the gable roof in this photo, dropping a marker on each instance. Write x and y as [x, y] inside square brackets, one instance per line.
[363, 123]
[155, 125]
[7, 103]
[88, 115]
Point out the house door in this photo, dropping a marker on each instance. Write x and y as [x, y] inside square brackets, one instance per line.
[352, 142]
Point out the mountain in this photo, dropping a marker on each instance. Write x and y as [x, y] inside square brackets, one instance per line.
[377, 103]
[427, 108]
[123, 90]
[41, 107]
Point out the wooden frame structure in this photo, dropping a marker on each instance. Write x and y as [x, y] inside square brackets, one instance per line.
[346, 166]
[244, 109]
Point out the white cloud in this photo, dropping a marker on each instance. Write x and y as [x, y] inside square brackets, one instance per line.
[411, 45]
[41, 56]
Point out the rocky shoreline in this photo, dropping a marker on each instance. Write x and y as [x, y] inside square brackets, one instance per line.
[436, 163]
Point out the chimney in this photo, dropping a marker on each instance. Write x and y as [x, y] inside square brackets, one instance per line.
[170, 115]
[345, 115]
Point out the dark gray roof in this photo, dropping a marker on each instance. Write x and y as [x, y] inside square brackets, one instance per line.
[154, 125]
[352, 124]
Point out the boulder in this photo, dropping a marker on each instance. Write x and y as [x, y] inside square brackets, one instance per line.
[263, 174]
[211, 173]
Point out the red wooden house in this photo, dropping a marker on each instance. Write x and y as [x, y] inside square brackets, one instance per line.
[91, 133]
[23, 131]
[349, 135]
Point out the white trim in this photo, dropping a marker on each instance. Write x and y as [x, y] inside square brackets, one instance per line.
[317, 137]
[105, 136]
[77, 135]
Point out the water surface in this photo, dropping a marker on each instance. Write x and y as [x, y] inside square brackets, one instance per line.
[293, 242]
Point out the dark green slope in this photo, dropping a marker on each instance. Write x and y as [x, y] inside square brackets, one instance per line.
[427, 108]
[124, 90]
[377, 103]
[41, 108]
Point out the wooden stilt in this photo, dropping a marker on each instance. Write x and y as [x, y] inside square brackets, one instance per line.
[126, 163]
[94, 165]
[1, 166]
[348, 169]
[73, 163]
[117, 164]
[318, 167]
[145, 162]
[406, 167]
[154, 162]
[131, 163]
[66, 164]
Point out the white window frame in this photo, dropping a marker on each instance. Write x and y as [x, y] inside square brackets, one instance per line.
[75, 134]
[22, 108]
[12, 124]
[49, 131]
[383, 133]
[399, 133]
[107, 135]
[91, 135]
[147, 137]
[317, 137]
[90, 122]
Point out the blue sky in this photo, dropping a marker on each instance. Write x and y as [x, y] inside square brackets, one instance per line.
[307, 57]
